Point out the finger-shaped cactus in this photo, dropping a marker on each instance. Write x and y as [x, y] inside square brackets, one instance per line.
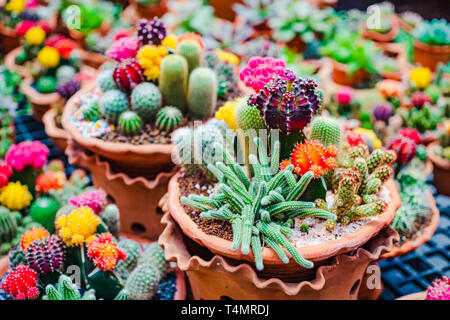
[142, 282]
[154, 255]
[202, 93]
[173, 81]
[192, 52]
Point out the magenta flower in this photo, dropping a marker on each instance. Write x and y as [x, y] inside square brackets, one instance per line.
[27, 154]
[344, 96]
[260, 71]
[5, 173]
[124, 48]
[94, 199]
[439, 290]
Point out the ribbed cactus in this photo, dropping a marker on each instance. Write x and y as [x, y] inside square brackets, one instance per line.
[91, 111]
[65, 289]
[143, 282]
[202, 93]
[168, 118]
[46, 84]
[46, 255]
[154, 255]
[248, 117]
[128, 74]
[113, 103]
[327, 131]
[8, 226]
[192, 52]
[105, 80]
[43, 210]
[130, 123]
[173, 81]
[146, 100]
[16, 257]
[111, 217]
[133, 251]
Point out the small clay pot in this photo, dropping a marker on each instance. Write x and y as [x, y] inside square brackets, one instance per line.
[273, 266]
[93, 59]
[8, 39]
[59, 136]
[137, 198]
[224, 8]
[430, 56]
[134, 160]
[426, 234]
[135, 11]
[383, 37]
[214, 277]
[10, 63]
[297, 44]
[441, 170]
[323, 3]
[340, 75]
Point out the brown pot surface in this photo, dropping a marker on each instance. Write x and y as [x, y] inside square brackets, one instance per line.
[10, 63]
[93, 59]
[224, 8]
[414, 296]
[383, 37]
[430, 56]
[426, 235]
[340, 75]
[59, 136]
[137, 198]
[441, 170]
[145, 159]
[317, 253]
[213, 277]
[4, 264]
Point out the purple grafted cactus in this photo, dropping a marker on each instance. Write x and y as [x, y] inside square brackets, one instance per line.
[46, 255]
[382, 112]
[152, 32]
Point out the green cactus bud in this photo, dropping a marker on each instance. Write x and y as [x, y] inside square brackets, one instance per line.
[145, 100]
[46, 84]
[8, 226]
[111, 217]
[168, 119]
[327, 131]
[202, 95]
[173, 81]
[106, 81]
[129, 122]
[91, 111]
[143, 282]
[65, 73]
[154, 255]
[43, 210]
[65, 289]
[113, 103]
[192, 52]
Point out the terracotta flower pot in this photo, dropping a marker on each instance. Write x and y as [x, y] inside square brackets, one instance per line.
[134, 160]
[323, 3]
[429, 56]
[10, 63]
[59, 136]
[224, 8]
[297, 44]
[135, 11]
[383, 37]
[137, 198]
[441, 170]
[341, 76]
[93, 59]
[426, 234]
[273, 266]
[8, 39]
[214, 277]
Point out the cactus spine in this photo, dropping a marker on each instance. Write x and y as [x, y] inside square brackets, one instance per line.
[154, 255]
[173, 81]
[202, 95]
[113, 103]
[143, 282]
[327, 131]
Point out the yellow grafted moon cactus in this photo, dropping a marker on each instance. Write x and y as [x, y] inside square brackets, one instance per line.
[227, 56]
[227, 113]
[150, 57]
[49, 57]
[15, 196]
[421, 77]
[35, 36]
[78, 227]
[170, 41]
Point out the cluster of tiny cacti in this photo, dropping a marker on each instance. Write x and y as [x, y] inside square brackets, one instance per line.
[422, 119]
[65, 289]
[226, 77]
[168, 119]
[46, 255]
[260, 207]
[76, 185]
[357, 181]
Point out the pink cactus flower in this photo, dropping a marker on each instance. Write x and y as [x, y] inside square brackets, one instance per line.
[260, 71]
[344, 96]
[94, 199]
[27, 154]
[5, 173]
[439, 290]
[124, 48]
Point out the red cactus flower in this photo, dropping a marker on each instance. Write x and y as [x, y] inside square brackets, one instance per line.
[104, 252]
[21, 283]
[50, 180]
[410, 133]
[5, 173]
[404, 147]
[23, 26]
[95, 199]
[128, 74]
[354, 138]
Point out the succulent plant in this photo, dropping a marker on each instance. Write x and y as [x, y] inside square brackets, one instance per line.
[65, 73]
[168, 118]
[202, 93]
[65, 289]
[8, 226]
[113, 103]
[105, 80]
[133, 252]
[142, 282]
[43, 210]
[192, 52]
[68, 88]
[152, 31]
[154, 255]
[111, 217]
[173, 81]
[104, 252]
[128, 74]
[46, 255]
[16, 257]
[146, 100]
[91, 111]
[434, 32]
[130, 123]
[327, 131]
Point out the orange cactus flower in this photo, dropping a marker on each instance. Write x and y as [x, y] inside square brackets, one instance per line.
[50, 180]
[32, 235]
[389, 88]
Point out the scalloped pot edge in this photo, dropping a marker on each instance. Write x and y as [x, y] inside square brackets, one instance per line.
[318, 252]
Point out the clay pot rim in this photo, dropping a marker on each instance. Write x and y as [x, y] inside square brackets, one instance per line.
[414, 296]
[427, 233]
[97, 145]
[187, 262]
[10, 63]
[50, 126]
[317, 252]
[111, 176]
[383, 37]
[435, 159]
[431, 48]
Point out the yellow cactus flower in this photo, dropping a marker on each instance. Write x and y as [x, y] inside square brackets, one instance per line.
[170, 41]
[372, 136]
[77, 227]
[227, 113]
[15, 6]
[226, 56]
[421, 77]
[15, 196]
[35, 36]
[150, 57]
[48, 57]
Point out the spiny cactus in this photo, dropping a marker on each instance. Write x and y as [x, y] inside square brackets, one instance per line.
[168, 118]
[142, 282]
[113, 103]
[327, 131]
[111, 217]
[106, 81]
[248, 117]
[133, 251]
[21, 283]
[154, 255]
[128, 74]
[65, 289]
[192, 52]
[104, 252]
[43, 210]
[65, 73]
[259, 207]
[46, 255]
[152, 32]
[146, 100]
[202, 93]
[130, 123]
[46, 84]
[91, 111]
[8, 226]
[16, 257]
[173, 81]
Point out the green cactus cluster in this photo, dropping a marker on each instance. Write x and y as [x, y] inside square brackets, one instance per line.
[105, 80]
[259, 206]
[202, 94]
[168, 118]
[133, 251]
[91, 111]
[146, 100]
[192, 52]
[421, 119]
[130, 123]
[65, 289]
[113, 103]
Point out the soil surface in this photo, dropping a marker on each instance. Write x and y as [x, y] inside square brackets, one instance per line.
[421, 223]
